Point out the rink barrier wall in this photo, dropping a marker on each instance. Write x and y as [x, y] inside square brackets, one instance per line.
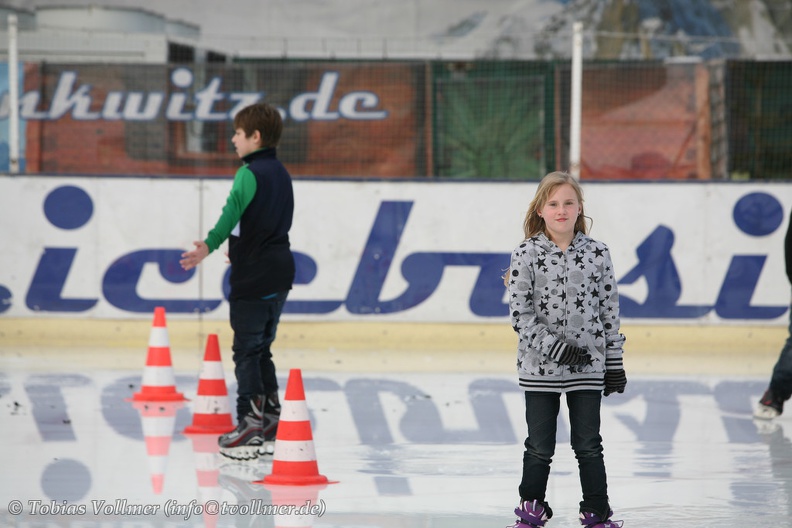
[692, 253]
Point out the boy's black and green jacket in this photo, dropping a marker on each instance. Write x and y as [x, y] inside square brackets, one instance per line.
[256, 220]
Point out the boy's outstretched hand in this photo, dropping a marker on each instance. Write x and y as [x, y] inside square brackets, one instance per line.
[190, 259]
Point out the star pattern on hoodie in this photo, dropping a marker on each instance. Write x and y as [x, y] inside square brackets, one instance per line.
[569, 294]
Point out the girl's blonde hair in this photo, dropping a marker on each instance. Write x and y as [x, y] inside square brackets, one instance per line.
[535, 224]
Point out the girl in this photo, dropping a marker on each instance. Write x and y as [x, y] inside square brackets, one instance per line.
[565, 308]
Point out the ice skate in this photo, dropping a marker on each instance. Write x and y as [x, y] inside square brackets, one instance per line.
[770, 406]
[532, 514]
[592, 520]
[270, 419]
[254, 436]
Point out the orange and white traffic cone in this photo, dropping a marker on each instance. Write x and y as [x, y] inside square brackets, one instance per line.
[207, 469]
[158, 383]
[294, 460]
[157, 419]
[211, 411]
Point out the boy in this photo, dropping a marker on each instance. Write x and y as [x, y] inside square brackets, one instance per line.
[256, 220]
[771, 404]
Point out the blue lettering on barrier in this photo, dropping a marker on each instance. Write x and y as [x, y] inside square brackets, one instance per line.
[120, 282]
[421, 270]
[734, 299]
[305, 273]
[47, 285]
[656, 266]
[6, 298]
[756, 214]
[68, 207]
[376, 260]
[424, 271]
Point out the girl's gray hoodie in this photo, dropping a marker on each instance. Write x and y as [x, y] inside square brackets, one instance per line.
[568, 296]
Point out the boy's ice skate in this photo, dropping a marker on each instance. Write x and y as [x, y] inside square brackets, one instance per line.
[531, 514]
[254, 436]
[592, 520]
[770, 406]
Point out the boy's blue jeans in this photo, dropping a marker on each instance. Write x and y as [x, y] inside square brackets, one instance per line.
[781, 381]
[254, 322]
[541, 415]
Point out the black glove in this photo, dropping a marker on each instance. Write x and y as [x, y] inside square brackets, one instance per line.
[571, 355]
[615, 381]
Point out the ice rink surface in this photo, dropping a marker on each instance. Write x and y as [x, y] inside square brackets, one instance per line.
[407, 449]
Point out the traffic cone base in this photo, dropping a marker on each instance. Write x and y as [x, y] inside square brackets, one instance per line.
[289, 474]
[212, 411]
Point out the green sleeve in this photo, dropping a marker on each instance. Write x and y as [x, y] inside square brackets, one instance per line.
[239, 198]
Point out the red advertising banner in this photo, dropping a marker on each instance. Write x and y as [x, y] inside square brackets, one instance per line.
[341, 119]
[648, 121]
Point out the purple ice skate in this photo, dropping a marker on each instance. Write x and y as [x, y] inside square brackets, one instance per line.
[531, 514]
[592, 520]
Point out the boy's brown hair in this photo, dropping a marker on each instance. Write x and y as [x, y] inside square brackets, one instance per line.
[262, 117]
